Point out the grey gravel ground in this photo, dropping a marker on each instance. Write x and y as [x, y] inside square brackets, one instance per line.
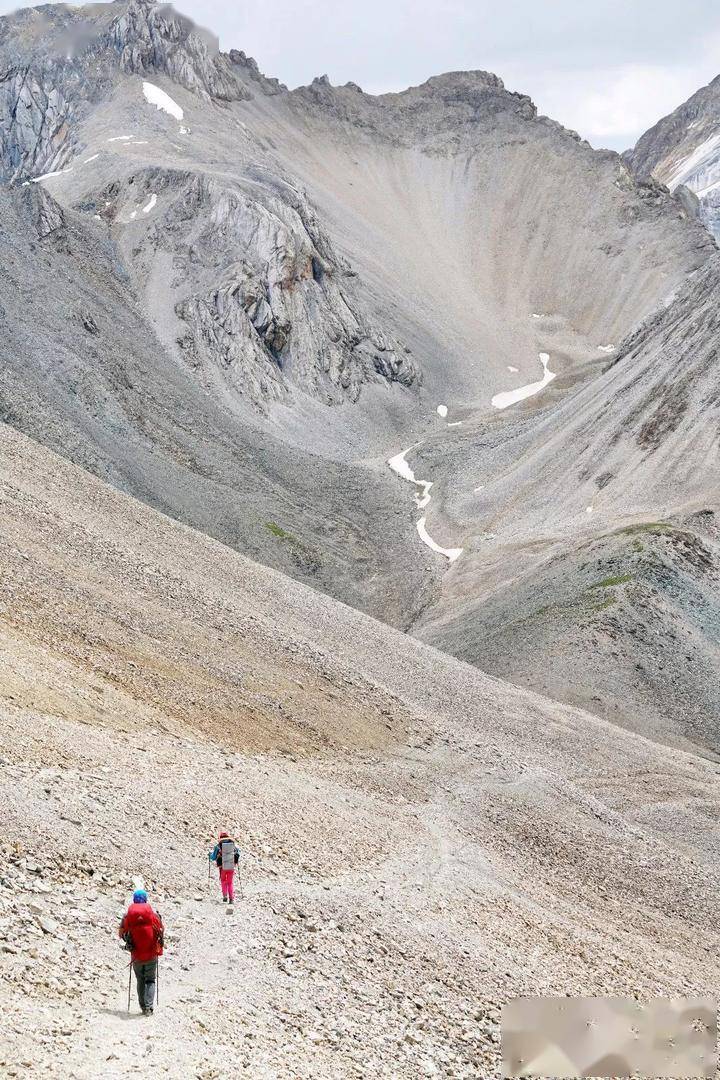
[235, 318]
[239, 315]
[421, 841]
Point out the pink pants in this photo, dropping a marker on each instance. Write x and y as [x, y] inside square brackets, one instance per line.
[227, 883]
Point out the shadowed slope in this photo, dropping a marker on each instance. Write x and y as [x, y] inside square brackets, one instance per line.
[604, 556]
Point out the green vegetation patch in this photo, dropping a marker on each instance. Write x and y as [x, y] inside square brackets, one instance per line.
[606, 602]
[281, 534]
[608, 582]
[657, 527]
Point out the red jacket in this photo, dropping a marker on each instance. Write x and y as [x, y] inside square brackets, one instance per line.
[145, 929]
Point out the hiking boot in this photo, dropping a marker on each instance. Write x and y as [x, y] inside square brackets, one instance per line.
[224, 899]
[231, 901]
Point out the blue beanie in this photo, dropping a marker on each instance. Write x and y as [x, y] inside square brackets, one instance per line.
[140, 896]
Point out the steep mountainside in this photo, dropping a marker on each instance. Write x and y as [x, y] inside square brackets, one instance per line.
[83, 370]
[248, 304]
[419, 841]
[684, 149]
[600, 553]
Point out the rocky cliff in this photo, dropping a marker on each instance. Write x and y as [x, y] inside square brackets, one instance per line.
[683, 151]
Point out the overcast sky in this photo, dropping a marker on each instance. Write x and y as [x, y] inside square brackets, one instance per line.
[608, 68]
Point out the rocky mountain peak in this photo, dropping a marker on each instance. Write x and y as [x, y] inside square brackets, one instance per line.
[152, 37]
[55, 62]
[682, 151]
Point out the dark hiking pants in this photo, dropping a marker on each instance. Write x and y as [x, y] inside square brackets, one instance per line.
[146, 975]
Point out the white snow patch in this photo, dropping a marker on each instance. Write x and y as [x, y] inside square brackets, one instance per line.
[455, 423]
[606, 348]
[151, 203]
[513, 369]
[184, 131]
[479, 488]
[133, 215]
[535, 315]
[88, 160]
[511, 397]
[685, 169]
[155, 96]
[702, 192]
[588, 509]
[121, 138]
[140, 142]
[46, 176]
[451, 554]
[399, 465]
[442, 410]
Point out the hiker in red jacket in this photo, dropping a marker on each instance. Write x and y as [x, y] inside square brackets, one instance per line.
[142, 931]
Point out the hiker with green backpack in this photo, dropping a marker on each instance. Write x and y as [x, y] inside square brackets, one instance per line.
[226, 856]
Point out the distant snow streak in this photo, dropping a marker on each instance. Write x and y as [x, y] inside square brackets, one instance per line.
[150, 205]
[155, 96]
[689, 165]
[451, 554]
[45, 176]
[400, 466]
[511, 397]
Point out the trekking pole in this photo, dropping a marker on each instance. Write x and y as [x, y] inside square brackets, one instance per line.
[157, 981]
[129, 982]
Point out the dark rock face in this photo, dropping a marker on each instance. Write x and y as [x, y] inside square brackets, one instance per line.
[85, 373]
[654, 146]
[48, 216]
[35, 119]
[149, 38]
[55, 65]
[262, 301]
[439, 113]
[683, 151]
[250, 68]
